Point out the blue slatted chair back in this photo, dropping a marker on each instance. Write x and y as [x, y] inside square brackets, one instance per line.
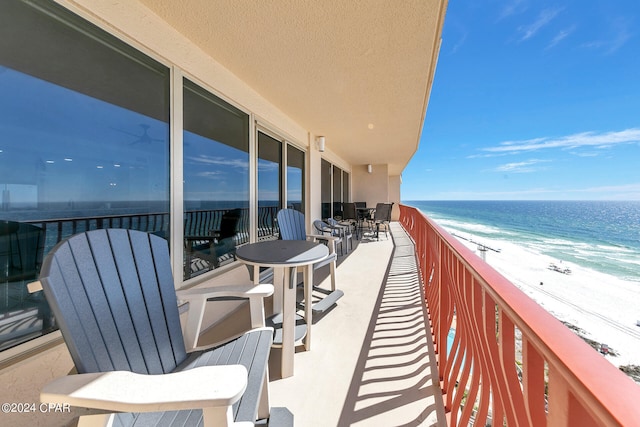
[291, 224]
[112, 293]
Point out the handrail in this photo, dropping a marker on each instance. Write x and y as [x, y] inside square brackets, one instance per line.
[196, 222]
[562, 382]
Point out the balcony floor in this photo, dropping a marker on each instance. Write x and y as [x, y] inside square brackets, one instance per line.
[372, 361]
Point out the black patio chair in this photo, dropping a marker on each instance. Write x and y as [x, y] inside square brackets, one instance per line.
[382, 218]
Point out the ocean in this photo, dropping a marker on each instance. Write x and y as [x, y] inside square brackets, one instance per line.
[600, 235]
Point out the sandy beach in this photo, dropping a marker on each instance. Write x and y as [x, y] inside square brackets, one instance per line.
[604, 307]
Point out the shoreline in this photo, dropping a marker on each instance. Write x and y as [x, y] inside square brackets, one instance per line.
[601, 305]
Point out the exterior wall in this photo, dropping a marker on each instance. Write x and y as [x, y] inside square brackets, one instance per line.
[133, 23]
[394, 196]
[314, 183]
[22, 382]
[371, 187]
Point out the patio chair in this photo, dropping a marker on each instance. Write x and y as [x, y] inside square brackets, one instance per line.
[113, 295]
[291, 224]
[218, 244]
[350, 217]
[336, 232]
[364, 214]
[342, 230]
[21, 314]
[382, 217]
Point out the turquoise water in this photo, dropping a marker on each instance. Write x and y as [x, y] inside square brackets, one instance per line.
[603, 236]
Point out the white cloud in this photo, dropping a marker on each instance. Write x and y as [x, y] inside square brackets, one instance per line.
[624, 188]
[267, 166]
[561, 36]
[459, 43]
[610, 192]
[221, 161]
[610, 45]
[578, 140]
[520, 167]
[618, 38]
[545, 17]
[514, 7]
[209, 174]
[526, 194]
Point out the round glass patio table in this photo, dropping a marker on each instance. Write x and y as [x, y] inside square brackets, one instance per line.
[285, 257]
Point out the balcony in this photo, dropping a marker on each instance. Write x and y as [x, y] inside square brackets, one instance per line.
[429, 334]
[372, 362]
[478, 350]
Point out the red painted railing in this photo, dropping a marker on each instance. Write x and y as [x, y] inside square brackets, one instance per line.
[509, 361]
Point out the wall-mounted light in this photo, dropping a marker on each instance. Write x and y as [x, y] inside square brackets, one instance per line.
[369, 168]
[320, 143]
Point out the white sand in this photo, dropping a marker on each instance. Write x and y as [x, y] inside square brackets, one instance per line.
[605, 307]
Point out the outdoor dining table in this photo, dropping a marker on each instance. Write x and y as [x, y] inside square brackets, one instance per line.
[285, 256]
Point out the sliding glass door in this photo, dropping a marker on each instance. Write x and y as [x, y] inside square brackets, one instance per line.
[334, 189]
[270, 189]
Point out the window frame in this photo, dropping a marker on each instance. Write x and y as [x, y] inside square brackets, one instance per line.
[176, 171]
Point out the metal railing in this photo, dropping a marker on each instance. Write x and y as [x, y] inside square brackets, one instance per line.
[509, 362]
[195, 222]
[24, 316]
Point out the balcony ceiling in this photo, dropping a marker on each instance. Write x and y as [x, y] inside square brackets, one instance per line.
[357, 72]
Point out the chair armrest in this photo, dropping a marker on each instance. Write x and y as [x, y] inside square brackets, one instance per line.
[331, 240]
[123, 391]
[322, 237]
[197, 299]
[235, 291]
[34, 286]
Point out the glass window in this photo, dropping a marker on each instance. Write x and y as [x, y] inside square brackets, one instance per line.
[346, 197]
[269, 185]
[325, 171]
[216, 180]
[84, 144]
[337, 192]
[295, 178]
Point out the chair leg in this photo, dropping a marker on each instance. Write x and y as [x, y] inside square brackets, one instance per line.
[332, 273]
[264, 405]
[218, 416]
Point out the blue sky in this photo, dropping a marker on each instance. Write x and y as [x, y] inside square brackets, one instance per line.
[533, 100]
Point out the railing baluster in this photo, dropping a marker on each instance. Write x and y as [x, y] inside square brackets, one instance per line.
[487, 310]
[533, 383]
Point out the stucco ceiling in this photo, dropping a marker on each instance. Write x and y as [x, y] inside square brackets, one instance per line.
[357, 72]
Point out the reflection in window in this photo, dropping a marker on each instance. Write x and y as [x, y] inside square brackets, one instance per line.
[216, 180]
[345, 188]
[334, 189]
[337, 192]
[325, 180]
[269, 185]
[295, 178]
[83, 145]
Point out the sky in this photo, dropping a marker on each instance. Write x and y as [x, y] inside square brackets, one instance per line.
[533, 100]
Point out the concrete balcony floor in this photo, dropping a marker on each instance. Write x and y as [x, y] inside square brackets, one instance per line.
[371, 361]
